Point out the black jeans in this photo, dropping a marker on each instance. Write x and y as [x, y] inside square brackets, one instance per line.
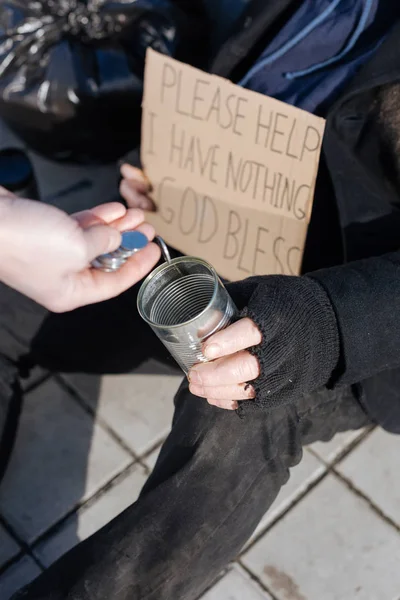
[216, 476]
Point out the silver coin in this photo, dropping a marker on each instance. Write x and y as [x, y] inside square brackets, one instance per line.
[108, 262]
[131, 242]
[96, 264]
[122, 253]
[113, 262]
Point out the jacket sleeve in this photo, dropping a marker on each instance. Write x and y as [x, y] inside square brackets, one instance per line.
[332, 327]
[299, 347]
[365, 296]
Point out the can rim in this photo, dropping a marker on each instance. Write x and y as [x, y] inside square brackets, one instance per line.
[174, 261]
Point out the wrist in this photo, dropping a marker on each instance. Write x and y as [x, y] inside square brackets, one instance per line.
[300, 338]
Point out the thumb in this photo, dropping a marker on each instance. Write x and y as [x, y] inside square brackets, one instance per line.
[6, 193]
[101, 239]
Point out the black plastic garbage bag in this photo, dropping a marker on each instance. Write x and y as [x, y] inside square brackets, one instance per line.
[71, 70]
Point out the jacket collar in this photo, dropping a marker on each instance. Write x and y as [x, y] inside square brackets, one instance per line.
[263, 16]
[381, 69]
[259, 18]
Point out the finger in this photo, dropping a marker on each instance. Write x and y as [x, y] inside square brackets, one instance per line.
[236, 368]
[136, 176]
[131, 220]
[226, 404]
[148, 231]
[138, 185]
[240, 391]
[87, 219]
[238, 336]
[4, 193]
[109, 212]
[105, 213]
[100, 239]
[91, 285]
[134, 197]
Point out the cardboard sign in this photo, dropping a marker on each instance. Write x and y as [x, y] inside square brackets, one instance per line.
[233, 171]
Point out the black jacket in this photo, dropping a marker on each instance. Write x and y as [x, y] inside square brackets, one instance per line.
[357, 209]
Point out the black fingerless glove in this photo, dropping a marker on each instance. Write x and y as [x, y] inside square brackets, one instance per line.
[299, 350]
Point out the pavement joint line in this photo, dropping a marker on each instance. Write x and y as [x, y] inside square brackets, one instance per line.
[346, 450]
[83, 504]
[143, 457]
[33, 386]
[11, 561]
[95, 416]
[73, 388]
[217, 579]
[288, 508]
[254, 577]
[25, 548]
[152, 449]
[145, 467]
[374, 507]
[330, 469]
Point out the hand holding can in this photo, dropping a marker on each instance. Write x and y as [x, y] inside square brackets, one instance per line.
[185, 302]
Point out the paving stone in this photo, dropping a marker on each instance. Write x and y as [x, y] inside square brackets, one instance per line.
[8, 546]
[329, 451]
[73, 187]
[54, 177]
[236, 585]
[154, 367]
[36, 376]
[93, 516]
[373, 468]
[16, 576]
[332, 546]
[301, 477]
[61, 456]
[138, 407]
[86, 386]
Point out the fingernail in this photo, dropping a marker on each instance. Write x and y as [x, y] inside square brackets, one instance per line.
[133, 173]
[146, 204]
[125, 188]
[194, 376]
[212, 351]
[248, 388]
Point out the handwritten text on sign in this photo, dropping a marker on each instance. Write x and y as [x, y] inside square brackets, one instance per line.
[233, 171]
